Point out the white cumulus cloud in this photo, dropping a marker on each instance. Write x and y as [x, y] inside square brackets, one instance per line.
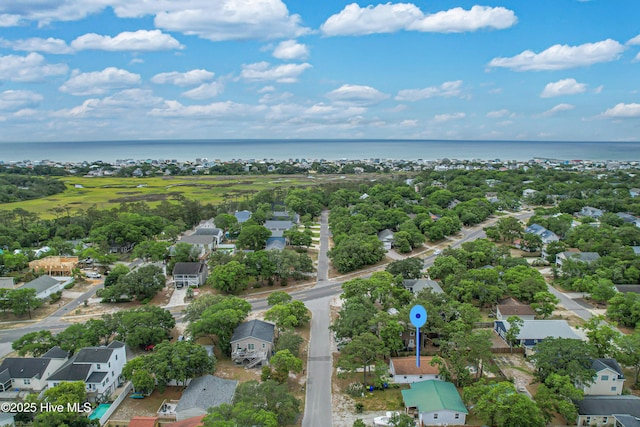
[562, 57]
[392, 17]
[189, 78]
[563, 87]
[141, 40]
[227, 110]
[557, 109]
[36, 44]
[204, 91]
[8, 20]
[263, 71]
[446, 90]
[499, 114]
[30, 68]
[291, 49]
[623, 111]
[357, 94]
[634, 41]
[14, 100]
[99, 82]
[447, 117]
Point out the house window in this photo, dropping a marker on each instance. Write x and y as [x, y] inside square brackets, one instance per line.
[411, 342]
[98, 366]
[604, 420]
[613, 388]
[605, 378]
[435, 416]
[109, 364]
[237, 346]
[27, 381]
[412, 334]
[251, 346]
[457, 417]
[263, 345]
[116, 357]
[112, 374]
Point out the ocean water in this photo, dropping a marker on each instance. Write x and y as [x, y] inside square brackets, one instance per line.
[330, 149]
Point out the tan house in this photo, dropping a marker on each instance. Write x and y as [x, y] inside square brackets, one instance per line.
[252, 343]
[55, 265]
[511, 307]
[404, 370]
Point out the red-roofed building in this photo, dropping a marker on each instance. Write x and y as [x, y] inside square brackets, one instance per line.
[404, 370]
[189, 422]
[144, 422]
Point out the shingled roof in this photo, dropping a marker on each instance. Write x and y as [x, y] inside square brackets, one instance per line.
[255, 329]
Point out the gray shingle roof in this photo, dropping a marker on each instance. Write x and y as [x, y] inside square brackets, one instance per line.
[187, 268]
[207, 392]
[540, 329]
[628, 288]
[600, 364]
[385, 234]
[96, 377]
[25, 367]
[609, 405]
[278, 225]
[93, 355]
[197, 240]
[420, 284]
[207, 231]
[71, 372]
[255, 329]
[56, 353]
[42, 283]
[627, 420]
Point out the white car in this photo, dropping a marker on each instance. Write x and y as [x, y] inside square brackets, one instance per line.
[93, 275]
[438, 252]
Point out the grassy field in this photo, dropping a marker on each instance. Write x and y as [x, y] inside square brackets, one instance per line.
[105, 192]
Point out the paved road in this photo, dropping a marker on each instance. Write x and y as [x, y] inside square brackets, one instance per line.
[317, 411]
[570, 304]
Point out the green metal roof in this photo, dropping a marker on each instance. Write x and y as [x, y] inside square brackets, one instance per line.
[433, 396]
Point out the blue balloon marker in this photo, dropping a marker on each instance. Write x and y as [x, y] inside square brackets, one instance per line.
[418, 316]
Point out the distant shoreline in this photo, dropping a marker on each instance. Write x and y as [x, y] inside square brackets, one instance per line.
[328, 149]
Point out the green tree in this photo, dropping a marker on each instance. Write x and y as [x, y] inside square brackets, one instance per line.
[509, 228]
[500, 405]
[35, 343]
[564, 356]
[289, 315]
[356, 252]
[268, 396]
[253, 237]
[628, 352]
[116, 272]
[23, 300]
[557, 394]
[151, 250]
[284, 362]
[182, 252]
[278, 297]
[409, 268]
[531, 242]
[544, 303]
[289, 340]
[219, 320]
[361, 352]
[230, 278]
[179, 361]
[515, 325]
[66, 394]
[226, 221]
[602, 336]
[141, 326]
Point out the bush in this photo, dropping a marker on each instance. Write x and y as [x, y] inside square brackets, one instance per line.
[55, 297]
[355, 389]
[359, 407]
[70, 285]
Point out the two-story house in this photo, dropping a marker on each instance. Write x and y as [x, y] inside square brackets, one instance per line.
[99, 367]
[190, 274]
[30, 373]
[608, 381]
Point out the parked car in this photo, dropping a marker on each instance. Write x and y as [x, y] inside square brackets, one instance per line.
[93, 275]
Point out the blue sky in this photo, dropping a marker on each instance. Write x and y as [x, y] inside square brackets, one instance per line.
[441, 69]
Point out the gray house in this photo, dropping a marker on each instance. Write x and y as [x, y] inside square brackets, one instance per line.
[587, 257]
[46, 285]
[252, 343]
[30, 373]
[386, 237]
[600, 410]
[190, 274]
[203, 393]
[417, 285]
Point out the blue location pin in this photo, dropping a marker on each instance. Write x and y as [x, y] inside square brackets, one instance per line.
[418, 316]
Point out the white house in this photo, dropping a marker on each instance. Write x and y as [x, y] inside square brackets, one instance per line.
[435, 403]
[386, 237]
[47, 285]
[403, 370]
[608, 381]
[30, 373]
[99, 367]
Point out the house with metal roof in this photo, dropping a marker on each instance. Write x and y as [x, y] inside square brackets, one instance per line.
[386, 237]
[30, 373]
[435, 402]
[602, 410]
[203, 393]
[99, 367]
[242, 216]
[547, 236]
[417, 285]
[576, 255]
[534, 331]
[252, 342]
[46, 285]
